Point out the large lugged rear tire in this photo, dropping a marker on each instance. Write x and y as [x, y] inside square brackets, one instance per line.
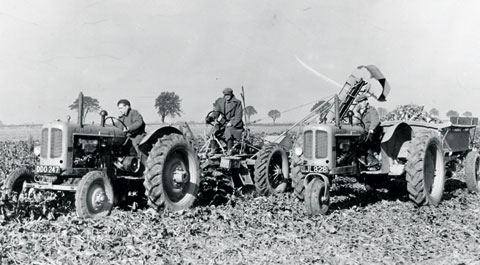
[296, 174]
[172, 174]
[316, 203]
[472, 171]
[425, 170]
[14, 181]
[271, 170]
[94, 196]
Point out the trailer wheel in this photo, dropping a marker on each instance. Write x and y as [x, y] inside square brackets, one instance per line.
[94, 196]
[316, 203]
[172, 174]
[271, 170]
[425, 170]
[472, 171]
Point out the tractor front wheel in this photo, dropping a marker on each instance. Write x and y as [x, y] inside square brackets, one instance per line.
[472, 171]
[425, 170]
[14, 182]
[172, 174]
[94, 196]
[317, 197]
[271, 170]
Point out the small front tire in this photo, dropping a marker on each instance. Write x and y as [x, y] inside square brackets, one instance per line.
[94, 196]
[14, 181]
[317, 197]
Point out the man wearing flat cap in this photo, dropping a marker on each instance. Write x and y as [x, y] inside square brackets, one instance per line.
[133, 124]
[367, 116]
[231, 110]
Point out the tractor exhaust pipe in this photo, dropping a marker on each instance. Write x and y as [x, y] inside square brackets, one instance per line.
[80, 110]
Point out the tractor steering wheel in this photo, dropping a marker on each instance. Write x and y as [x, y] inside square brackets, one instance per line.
[360, 121]
[220, 120]
[113, 121]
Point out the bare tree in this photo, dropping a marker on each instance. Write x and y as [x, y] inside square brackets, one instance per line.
[274, 114]
[89, 105]
[249, 111]
[452, 113]
[168, 104]
[434, 112]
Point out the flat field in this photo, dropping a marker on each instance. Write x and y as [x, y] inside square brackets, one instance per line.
[380, 227]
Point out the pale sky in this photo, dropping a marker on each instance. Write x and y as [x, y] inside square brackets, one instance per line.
[110, 49]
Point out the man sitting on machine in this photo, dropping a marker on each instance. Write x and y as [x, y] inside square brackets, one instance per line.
[231, 125]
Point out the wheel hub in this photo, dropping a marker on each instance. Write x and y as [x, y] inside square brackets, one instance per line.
[98, 198]
[179, 175]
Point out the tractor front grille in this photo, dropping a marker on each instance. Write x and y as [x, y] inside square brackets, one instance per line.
[44, 143]
[56, 143]
[321, 144]
[308, 144]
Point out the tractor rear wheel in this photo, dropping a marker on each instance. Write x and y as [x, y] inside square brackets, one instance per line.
[271, 170]
[472, 171]
[425, 170]
[297, 179]
[14, 181]
[172, 174]
[296, 172]
[317, 197]
[94, 196]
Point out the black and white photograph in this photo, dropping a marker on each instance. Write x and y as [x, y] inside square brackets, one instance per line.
[239, 132]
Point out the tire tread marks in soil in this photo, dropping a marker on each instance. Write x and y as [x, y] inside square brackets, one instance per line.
[471, 171]
[261, 175]
[415, 167]
[153, 183]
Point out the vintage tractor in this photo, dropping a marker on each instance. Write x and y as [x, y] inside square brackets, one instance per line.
[421, 153]
[96, 163]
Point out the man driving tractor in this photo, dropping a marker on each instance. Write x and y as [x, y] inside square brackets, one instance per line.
[133, 124]
[228, 112]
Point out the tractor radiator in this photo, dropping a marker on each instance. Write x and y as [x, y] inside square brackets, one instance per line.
[44, 143]
[308, 144]
[321, 144]
[56, 143]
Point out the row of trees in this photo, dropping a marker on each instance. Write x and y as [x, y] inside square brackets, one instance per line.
[169, 104]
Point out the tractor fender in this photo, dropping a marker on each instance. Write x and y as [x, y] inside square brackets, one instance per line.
[284, 140]
[394, 137]
[151, 138]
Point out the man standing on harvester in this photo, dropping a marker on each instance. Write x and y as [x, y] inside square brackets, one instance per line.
[230, 110]
[368, 115]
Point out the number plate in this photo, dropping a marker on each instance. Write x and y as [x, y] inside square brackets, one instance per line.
[47, 169]
[315, 169]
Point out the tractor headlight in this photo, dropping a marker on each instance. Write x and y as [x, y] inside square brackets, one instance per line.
[298, 151]
[36, 150]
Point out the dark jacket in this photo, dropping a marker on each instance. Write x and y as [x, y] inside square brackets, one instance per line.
[370, 118]
[134, 122]
[232, 110]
